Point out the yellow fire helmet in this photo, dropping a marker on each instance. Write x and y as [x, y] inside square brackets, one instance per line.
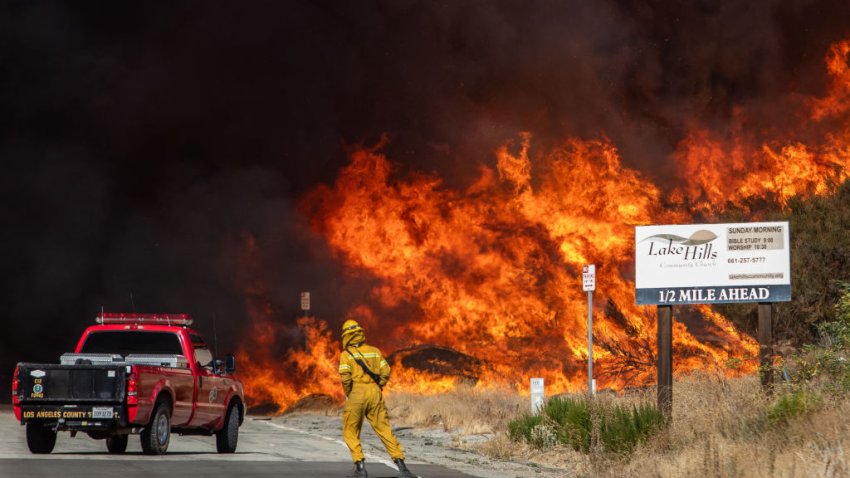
[352, 333]
[349, 326]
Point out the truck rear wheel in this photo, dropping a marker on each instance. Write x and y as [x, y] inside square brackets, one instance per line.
[117, 443]
[157, 434]
[40, 439]
[226, 438]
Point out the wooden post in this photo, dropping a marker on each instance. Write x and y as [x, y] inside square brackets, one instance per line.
[766, 344]
[665, 360]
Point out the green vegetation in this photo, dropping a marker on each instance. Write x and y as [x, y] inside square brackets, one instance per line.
[814, 371]
[572, 419]
[821, 256]
[791, 405]
[583, 423]
[824, 366]
[521, 428]
[788, 406]
[836, 334]
[626, 428]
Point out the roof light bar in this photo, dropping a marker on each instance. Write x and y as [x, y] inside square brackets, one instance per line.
[149, 319]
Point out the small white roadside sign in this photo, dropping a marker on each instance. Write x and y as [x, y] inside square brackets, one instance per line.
[537, 394]
[588, 278]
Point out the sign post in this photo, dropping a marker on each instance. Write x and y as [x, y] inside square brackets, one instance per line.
[664, 366]
[765, 313]
[588, 279]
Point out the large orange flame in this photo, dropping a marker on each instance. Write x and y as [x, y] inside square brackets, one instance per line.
[493, 270]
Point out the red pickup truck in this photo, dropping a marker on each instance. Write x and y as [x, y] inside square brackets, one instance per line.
[147, 374]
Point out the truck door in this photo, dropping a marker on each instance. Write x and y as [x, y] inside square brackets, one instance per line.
[211, 393]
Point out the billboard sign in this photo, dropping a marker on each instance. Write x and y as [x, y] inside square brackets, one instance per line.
[712, 263]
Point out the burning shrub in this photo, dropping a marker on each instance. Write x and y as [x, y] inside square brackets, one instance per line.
[439, 361]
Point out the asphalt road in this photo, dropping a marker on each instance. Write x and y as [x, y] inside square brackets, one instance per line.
[267, 448]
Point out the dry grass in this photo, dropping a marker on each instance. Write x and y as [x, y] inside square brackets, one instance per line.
[465, 410]
[716, 432]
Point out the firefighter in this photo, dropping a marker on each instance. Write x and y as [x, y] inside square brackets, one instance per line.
[364, 372]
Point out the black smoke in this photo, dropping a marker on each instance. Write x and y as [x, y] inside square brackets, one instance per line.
[141, 143]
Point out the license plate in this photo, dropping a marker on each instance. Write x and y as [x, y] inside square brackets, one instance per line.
[101, 412]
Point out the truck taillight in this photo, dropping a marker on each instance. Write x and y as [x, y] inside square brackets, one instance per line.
[132, 389]
[15, 382]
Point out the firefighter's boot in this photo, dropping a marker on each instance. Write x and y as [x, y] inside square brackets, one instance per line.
[403, 472]
[359, 470]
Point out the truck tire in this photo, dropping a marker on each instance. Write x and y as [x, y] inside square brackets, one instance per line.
[157, 434]
[40, 439]
[227, 437]
[117, 443]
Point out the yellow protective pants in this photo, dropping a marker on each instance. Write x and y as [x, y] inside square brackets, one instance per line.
[367, 400]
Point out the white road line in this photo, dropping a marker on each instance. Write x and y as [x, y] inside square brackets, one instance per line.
[334, 440]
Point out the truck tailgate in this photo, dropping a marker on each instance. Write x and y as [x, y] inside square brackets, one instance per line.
[51, 383]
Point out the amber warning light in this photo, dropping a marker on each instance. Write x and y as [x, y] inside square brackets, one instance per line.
[151, 319]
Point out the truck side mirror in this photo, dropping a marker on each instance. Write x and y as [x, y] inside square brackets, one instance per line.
[217, 365]
[230, 364]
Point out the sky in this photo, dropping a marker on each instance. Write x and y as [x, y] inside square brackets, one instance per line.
[141, 143]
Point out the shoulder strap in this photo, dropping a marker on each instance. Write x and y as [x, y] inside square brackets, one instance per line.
[362, 365]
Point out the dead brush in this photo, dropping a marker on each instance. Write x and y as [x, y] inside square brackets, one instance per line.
[465, 410]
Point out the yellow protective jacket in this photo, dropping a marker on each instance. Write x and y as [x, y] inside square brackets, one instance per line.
[352, 373]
